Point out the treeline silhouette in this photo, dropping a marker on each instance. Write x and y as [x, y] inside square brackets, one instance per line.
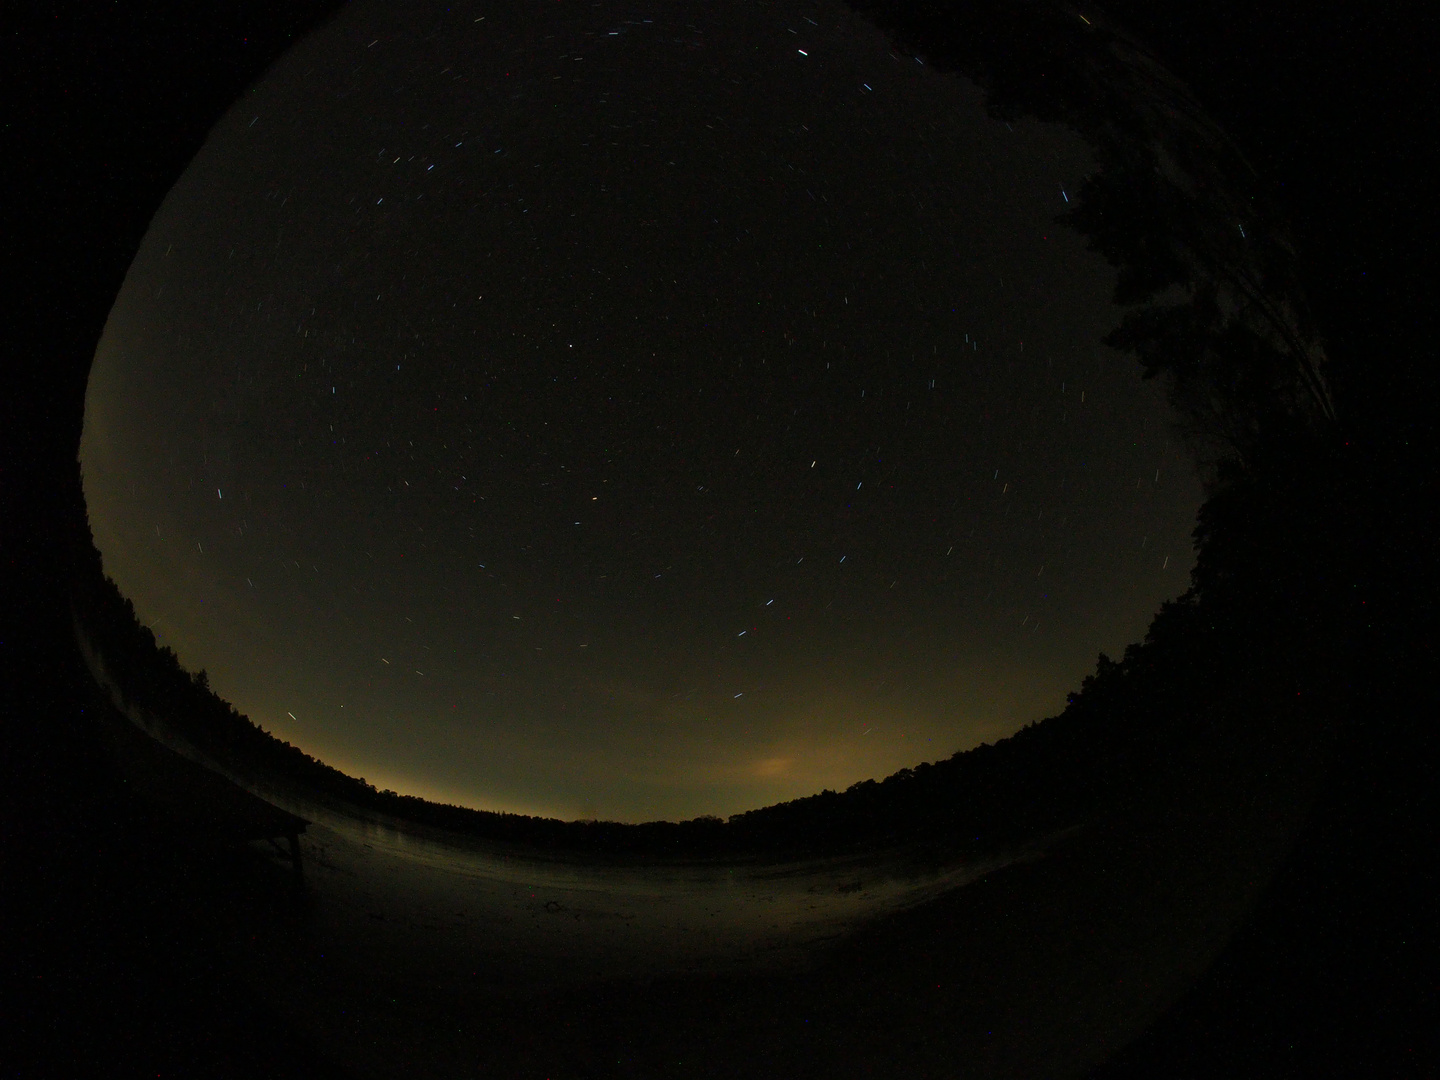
[1124, 730]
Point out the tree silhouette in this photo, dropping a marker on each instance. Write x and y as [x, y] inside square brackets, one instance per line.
[1202, 258]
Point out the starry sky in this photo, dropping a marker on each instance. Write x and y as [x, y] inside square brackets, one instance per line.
[628, 411]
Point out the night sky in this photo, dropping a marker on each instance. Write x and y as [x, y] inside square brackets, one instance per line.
[628, 412]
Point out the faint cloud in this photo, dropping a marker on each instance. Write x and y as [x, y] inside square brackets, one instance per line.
[771, 768]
